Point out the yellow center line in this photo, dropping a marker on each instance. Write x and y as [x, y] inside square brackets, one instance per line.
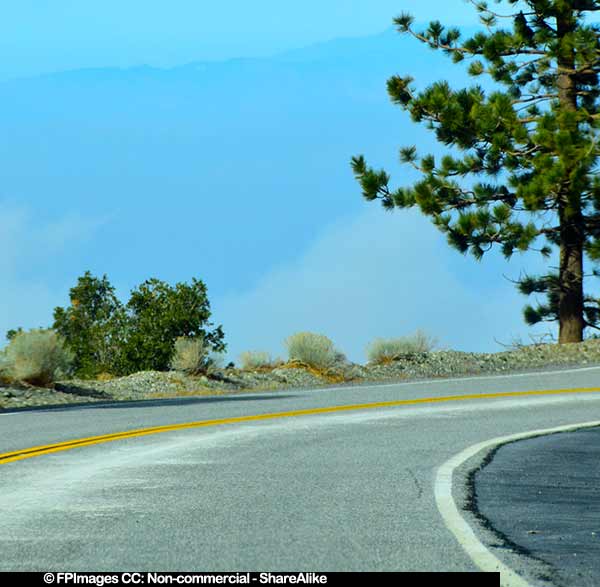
[35, 451]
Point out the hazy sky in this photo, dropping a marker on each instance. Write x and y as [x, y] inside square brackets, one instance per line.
[50, 35]
[235, 174]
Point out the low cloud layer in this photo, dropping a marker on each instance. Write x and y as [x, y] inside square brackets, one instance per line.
[31, 254]
[379, 275]
[371, 275]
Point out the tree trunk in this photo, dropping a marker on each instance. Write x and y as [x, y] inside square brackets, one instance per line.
[572, 235]
[570, 307]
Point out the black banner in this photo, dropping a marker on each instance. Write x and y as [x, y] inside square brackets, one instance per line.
[136, 578]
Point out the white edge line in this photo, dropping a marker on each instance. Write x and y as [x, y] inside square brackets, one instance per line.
[557, 371]
[465, 535]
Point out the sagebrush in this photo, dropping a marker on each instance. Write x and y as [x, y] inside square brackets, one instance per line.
[313, 349]
[37, 357]
[382, 350]
[257, 360]
[191, 356]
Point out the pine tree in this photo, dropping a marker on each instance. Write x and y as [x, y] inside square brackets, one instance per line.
[521, 168]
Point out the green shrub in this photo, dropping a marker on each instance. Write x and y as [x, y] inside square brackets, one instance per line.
[158, 314]
[190, 356]
[315, 350]
[385, 350]
[109, 337]
[37, 357]
[93, 326]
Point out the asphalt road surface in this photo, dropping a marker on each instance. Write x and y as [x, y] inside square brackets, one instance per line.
[349, 479]
[543, 494]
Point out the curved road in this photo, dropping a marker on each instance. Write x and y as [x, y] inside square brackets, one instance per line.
[345, 479]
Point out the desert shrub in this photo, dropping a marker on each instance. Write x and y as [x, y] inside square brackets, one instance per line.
[93, 326]
[258, 360]
[109, 337]
[191, 356]
[37, 357]
[4, 365]
[158, 314]
[382, 350]
[315, 350]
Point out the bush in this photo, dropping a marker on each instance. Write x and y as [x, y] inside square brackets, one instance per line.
[37, 357]
[385, 350]
[108, 337]
[190, 356]
[256, 360]
[93, 326]
[158, 314]
[4, 365]
[315, 350]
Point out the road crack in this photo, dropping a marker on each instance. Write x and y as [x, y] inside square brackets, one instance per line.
[416, 482]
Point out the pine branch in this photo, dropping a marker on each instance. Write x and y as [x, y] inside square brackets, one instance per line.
[483, 8]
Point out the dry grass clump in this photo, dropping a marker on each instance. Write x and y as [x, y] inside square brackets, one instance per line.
[382, 350]
[312, 349]
[37, 357]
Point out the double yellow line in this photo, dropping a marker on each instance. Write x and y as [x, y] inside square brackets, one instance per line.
[37, 451]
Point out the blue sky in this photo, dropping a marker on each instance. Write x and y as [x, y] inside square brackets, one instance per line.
[235, 172]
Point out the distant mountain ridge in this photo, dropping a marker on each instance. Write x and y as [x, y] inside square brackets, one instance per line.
[375, 51]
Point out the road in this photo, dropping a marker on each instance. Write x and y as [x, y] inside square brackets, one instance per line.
[557, 474]
[328, 484]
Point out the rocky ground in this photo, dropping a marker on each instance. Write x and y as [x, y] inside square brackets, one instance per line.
[438, 364]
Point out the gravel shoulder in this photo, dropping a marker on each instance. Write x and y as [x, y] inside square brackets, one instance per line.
[437, 364]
